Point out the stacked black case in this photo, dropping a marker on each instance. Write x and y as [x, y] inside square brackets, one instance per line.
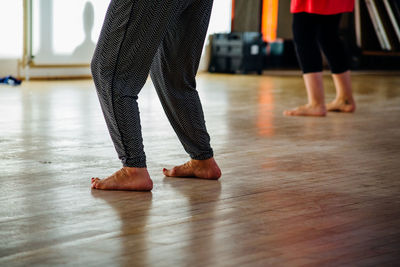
[237, 52]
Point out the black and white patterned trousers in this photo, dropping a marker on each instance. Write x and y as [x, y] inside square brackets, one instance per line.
[165, 38]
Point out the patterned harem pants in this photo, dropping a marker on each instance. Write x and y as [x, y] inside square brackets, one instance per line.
[165, 38]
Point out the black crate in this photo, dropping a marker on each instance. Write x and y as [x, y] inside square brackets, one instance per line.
[236, 52]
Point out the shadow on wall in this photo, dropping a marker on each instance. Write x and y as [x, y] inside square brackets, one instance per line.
[85, 50]
[82, 54]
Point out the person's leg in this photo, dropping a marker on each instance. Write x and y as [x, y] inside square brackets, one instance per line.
[131, 34]
[173, 73]
[344, 101]
[305, 28]
[315, 94]
[338, 59]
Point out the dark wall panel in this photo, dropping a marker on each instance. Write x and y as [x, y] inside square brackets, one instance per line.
[285, 19]
[247, 16]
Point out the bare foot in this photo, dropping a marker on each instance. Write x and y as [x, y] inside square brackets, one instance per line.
[135, 179]
[306, 110]
[204, 169]
[339, 105]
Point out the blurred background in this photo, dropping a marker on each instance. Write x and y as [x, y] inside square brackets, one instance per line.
[53, 38]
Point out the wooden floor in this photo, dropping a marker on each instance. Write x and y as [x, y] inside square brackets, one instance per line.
[294, 191]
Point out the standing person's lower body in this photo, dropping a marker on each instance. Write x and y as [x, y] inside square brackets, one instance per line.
[311, 33]
[165, 38]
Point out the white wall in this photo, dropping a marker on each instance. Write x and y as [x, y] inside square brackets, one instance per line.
[65, 32]
[11, 30]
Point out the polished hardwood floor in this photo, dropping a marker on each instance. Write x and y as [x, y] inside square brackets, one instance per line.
[295, 191]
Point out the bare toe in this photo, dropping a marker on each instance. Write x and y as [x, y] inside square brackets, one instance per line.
[169, 173]
[94, 183]
[288, 112]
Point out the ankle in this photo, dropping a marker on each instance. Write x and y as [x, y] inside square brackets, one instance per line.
[134, 170]
[203, 162]
[344, 99]
[317, 105]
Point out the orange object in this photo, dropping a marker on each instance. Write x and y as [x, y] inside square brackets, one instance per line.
[233, 15]
[269, 20]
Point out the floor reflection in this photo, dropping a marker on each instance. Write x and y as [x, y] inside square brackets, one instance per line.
[199, 234]
[266, 106]
[133, 211]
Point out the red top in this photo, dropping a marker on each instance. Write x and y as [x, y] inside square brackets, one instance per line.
[323, 7]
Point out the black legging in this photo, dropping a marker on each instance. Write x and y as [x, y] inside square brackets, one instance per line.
[312, 32]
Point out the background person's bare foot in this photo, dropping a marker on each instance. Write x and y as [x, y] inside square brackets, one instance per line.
[204, 169]
[306, 110]
[338, 105]
[135, 179]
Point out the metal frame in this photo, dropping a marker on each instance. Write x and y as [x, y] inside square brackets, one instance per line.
[28, 60]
